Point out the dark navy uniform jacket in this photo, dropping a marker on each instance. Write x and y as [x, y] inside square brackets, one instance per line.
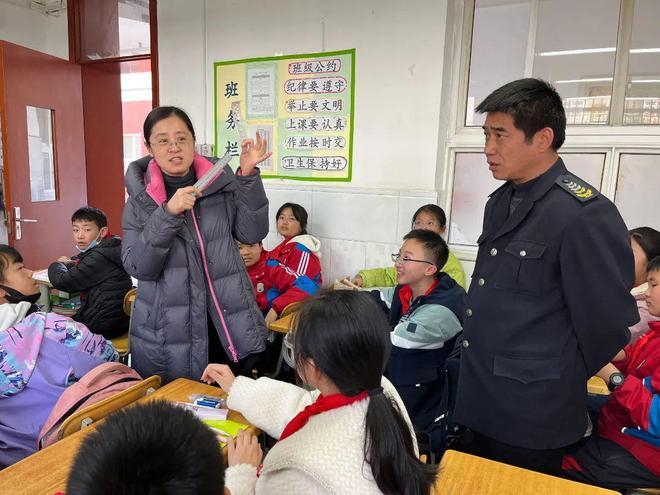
[548, 306]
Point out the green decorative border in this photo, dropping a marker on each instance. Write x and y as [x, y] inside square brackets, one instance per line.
[286, 57]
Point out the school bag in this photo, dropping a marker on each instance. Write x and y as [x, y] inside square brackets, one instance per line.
[104, 381]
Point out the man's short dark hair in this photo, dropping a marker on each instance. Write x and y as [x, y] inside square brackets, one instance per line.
[654, 265]
[435, 246]
[90, 214]
[533, 104]
[152, 448]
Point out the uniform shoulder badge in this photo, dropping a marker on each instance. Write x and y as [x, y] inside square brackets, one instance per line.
[576, 187]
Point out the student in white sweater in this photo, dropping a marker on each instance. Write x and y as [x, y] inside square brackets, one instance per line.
[351, 435]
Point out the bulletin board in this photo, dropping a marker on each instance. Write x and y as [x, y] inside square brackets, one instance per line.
[303, 104]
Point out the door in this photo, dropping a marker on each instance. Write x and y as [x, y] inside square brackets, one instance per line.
[44, 153]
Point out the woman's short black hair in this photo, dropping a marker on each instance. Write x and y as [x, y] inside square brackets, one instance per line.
[648, 239]
[161, 113]
[299, 213]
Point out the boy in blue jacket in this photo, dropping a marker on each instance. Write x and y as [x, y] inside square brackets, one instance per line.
[426, 311]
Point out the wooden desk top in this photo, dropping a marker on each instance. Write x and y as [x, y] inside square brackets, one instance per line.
[46, 471]
[283, 325]
[464, 474]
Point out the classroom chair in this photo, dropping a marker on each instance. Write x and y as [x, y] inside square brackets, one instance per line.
[285, 347]
[85, 417]
[121, 343]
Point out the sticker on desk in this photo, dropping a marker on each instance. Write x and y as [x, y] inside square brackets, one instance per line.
[225, 429]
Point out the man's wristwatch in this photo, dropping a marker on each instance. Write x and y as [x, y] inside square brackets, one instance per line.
[615, 380]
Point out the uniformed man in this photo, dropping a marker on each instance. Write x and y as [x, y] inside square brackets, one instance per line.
[549, 303]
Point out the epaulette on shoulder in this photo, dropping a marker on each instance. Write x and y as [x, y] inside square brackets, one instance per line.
[577, 188]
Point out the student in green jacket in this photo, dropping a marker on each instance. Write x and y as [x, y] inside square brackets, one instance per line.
[428, 217]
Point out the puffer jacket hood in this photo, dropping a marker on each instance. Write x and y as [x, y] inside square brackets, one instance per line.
[309, 241]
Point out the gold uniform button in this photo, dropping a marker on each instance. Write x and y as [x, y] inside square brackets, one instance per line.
[481, 282]
[466, 344]
[468, 312]
[493, 252]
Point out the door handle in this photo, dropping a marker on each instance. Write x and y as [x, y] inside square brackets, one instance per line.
[18, 220]
[26, 220]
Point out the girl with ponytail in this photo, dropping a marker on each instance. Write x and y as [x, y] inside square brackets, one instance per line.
[351, 434]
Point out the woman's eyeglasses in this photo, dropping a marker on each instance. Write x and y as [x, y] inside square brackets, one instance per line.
[397, 258]
[165, 143]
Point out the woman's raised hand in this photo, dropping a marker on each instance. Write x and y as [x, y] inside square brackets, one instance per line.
[220, 374]
[253, 153]
[183, 200]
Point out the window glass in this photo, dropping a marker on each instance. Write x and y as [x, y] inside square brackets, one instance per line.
[41, 153]
[637, 190]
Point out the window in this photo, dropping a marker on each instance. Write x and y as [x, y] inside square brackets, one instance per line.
[637, 189]
[578, 47]
[41, 153]
[473, 182]
[136, 103]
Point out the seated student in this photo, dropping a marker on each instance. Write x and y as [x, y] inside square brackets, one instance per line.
[426, 311]
[645, 242]
[352, 434]
[272, 280]
[96, 272]
[428, 217]
[40, 355]
[625, 451]
[151, 448]
[297, 255]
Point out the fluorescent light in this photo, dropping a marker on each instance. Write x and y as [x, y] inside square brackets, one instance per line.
[586, 79]
[638, 81]
[583, 51]
[645, 50]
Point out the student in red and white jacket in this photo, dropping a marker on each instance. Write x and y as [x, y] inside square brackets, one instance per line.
[625, 452]
[275, 285]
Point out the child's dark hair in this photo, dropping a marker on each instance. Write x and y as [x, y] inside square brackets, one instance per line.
[533, 104]
[347, 337]
[151, 448]
[90, 214]
[434, 244]
[654, 265]
[648, 239]
[8, 256]
[162, 113]
[434, 210]
[299, 213]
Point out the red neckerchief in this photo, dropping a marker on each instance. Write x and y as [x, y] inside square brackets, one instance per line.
[654, 332]
[405, 296]
[321, 405]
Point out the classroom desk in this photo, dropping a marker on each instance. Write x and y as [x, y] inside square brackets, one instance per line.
[44, 289]
[464, 474]
[46, 471]
[283, 325]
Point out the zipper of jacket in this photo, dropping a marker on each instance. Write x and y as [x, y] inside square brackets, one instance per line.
[232, 349]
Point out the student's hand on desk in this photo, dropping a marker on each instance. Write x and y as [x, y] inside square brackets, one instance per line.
[271, 316]
[244, 449]
[65, 260]
[183, 200]
[220, 374]
[359, 281]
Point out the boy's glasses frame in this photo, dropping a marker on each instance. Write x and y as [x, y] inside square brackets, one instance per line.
[396, 258]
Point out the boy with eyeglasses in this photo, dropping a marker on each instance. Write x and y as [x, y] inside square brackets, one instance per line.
[426, 311]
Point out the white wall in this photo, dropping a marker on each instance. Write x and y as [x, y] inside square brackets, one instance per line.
[32, 29]
[398, 81]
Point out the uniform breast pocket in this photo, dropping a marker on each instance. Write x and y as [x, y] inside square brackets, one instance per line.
[522, 267]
